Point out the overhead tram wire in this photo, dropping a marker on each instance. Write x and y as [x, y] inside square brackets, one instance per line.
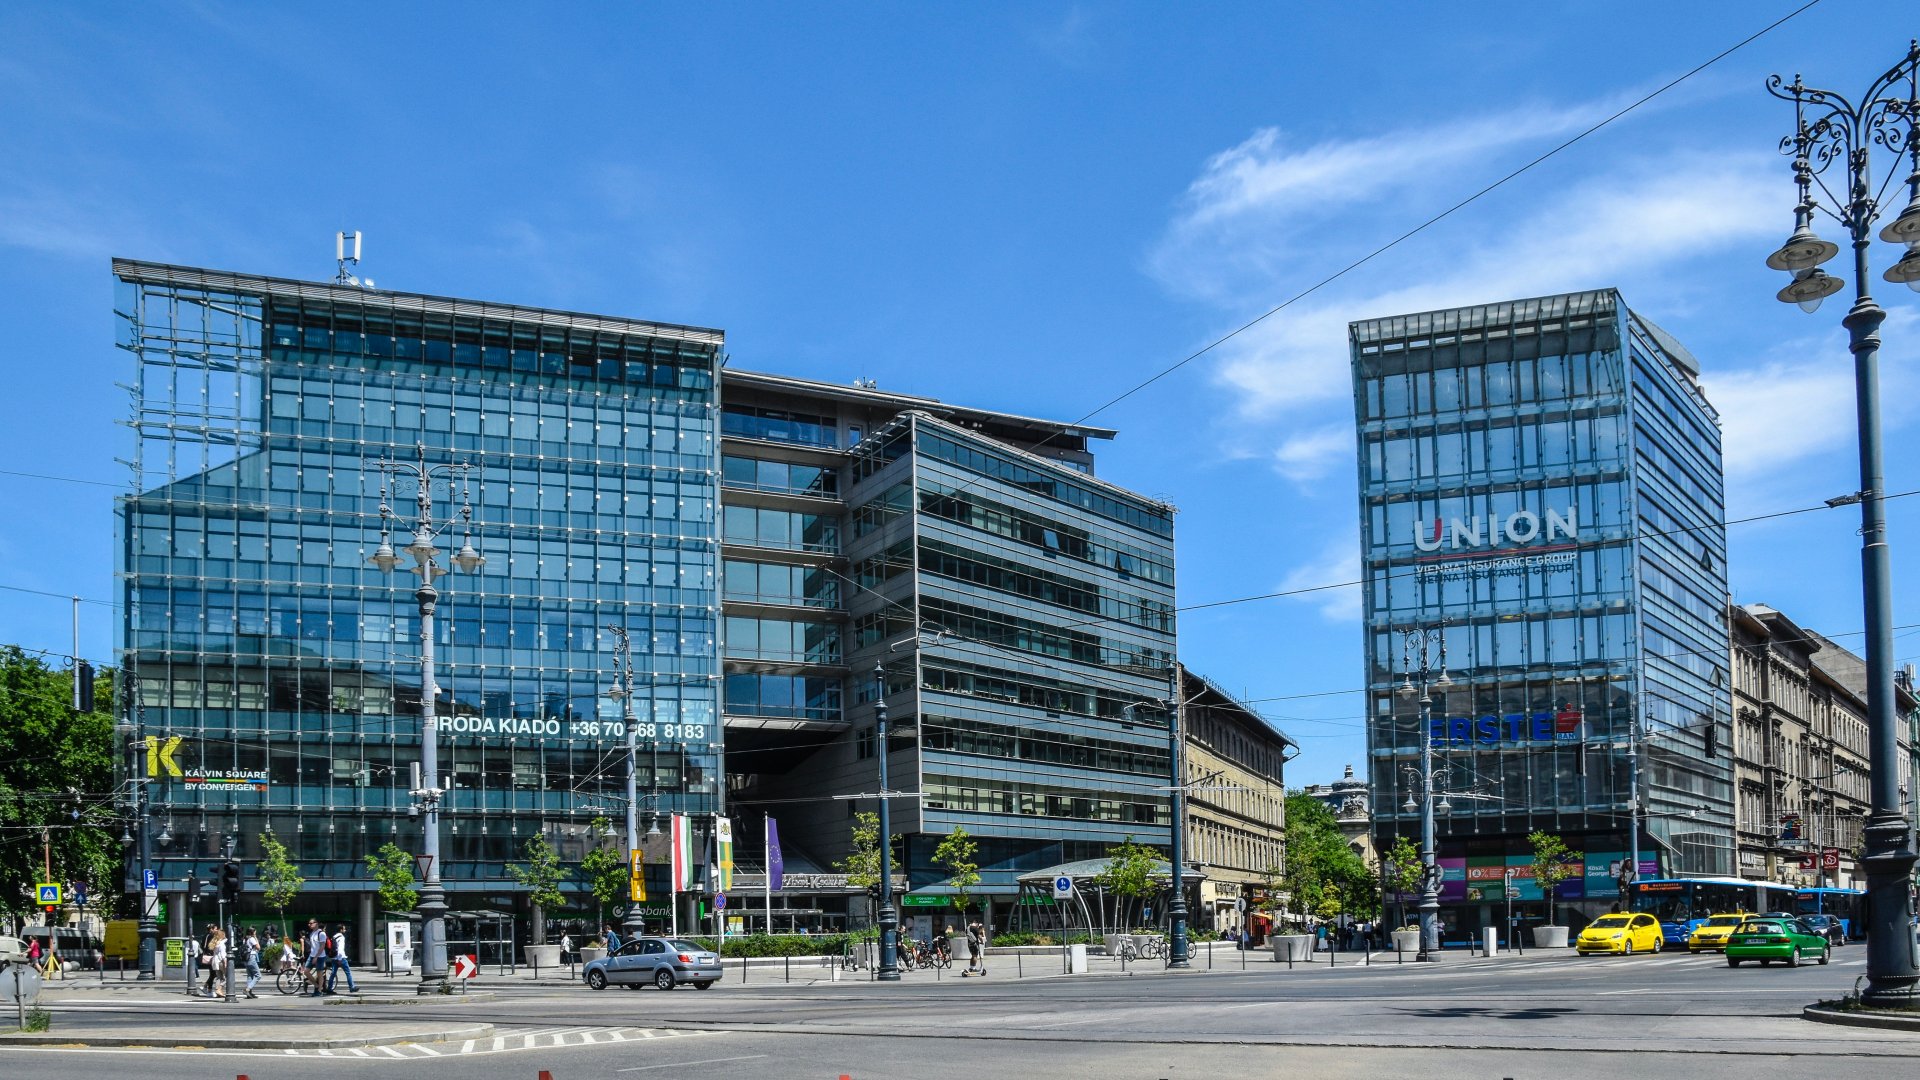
[1431, 221]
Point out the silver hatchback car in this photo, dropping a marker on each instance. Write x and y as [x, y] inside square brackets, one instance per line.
[661, 962]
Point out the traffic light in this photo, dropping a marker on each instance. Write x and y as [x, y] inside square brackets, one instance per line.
[230, 881]
[82, 686]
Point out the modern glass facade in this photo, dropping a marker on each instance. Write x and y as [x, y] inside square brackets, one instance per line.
[257, 634]
[1018, 606]
[1542, 479]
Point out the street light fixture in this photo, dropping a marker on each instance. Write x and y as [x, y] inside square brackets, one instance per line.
[1421, 650]
[426, 791]
[1829, 128]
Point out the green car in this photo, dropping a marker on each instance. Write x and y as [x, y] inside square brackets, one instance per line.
[1767, 940]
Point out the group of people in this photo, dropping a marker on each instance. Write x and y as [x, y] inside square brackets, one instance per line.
[320, 957]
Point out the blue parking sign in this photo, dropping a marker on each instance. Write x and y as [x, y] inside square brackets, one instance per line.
[149, 879]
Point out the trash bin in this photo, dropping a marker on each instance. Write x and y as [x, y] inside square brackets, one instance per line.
[1076, 959]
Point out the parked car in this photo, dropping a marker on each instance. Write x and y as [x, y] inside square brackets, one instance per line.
[1767, 940]
[1827, 926]
[661, 962]
[1623, 934]
[1711, 936]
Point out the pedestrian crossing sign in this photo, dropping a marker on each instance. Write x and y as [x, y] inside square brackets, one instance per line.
[48, 893]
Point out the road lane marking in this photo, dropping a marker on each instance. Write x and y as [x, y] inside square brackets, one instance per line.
[684, 1064]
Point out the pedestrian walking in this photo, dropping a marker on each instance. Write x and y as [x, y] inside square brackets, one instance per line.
[566, 946]
[216, 960]
[337, 964]
[976, 951]
[33, 955]
[250, 956]
[613, 939]
[316, 958]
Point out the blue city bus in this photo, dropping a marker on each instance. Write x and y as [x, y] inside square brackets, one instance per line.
[1681, 904]
[1847, 905]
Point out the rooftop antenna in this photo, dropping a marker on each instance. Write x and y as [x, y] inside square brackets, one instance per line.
[346, 252]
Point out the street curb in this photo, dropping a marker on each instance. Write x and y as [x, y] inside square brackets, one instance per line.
[1892, 1021]
[477, 1031]
[417, 999]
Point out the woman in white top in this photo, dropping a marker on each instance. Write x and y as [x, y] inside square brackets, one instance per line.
[217, 962]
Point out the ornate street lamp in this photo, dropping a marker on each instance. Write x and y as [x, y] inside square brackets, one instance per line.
[427, 792]
[1422, 651]
[1830, 129]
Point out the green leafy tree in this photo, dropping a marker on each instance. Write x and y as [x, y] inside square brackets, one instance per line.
[605, 873]
[1325, 877]
[862, 864]
[1553, 863]
[1403, 868]
[280, 880]
[957, 853]
[1129, 873]
[54, 763]
[393, 869]
[541, 875]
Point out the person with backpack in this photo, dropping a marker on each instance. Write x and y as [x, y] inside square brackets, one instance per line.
[337, 959]
[317, 943]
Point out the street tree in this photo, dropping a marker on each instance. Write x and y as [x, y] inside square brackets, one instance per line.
[862, 864]
[604, 872]
[1129, 874]
[1402, 871]
[1325, 877]
[57, 810]
[392, 870]
[956, 853]
[1553, 863]
[280, 880]
[541, 875]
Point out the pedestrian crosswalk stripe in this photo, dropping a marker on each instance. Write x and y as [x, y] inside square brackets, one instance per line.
[539, 1038]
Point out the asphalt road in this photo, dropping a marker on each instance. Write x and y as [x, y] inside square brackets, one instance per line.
[1541, 1016]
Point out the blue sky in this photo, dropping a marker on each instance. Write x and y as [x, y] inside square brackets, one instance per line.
[1029, 207]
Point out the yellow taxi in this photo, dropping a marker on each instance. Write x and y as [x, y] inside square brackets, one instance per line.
[1711, 936]
[1623, 934]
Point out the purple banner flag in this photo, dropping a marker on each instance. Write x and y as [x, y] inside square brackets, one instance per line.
[776, 866]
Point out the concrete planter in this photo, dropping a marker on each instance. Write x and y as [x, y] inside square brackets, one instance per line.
[543, 957]
[1406, 941]
[1292, 946]
[1549, 937]
[589, 955]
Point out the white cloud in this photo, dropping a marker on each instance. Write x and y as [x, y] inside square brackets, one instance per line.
[1256, 207]
[1327, 573]
[1633, 229]
[1781, 412]
[1310, 455]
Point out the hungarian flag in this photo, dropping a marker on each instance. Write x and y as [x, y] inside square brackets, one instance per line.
[723, 854]
[682, 864]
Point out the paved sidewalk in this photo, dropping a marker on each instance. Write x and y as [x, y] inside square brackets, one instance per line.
[73, 1028]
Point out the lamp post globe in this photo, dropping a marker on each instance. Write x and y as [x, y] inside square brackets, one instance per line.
[1833, 130]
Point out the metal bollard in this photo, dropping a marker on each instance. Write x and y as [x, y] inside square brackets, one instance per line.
[1019, 968]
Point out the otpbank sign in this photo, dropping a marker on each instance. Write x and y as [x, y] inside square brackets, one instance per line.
[1548, 726]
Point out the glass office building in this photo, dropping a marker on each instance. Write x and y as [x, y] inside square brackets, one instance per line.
[1541, 479]
[277, 673]
[766, 542]
[1018, 605]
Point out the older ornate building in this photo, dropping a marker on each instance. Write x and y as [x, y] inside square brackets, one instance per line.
[1236, 806]
[1800, 750]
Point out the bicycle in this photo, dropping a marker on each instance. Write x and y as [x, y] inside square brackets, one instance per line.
[290, 981]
